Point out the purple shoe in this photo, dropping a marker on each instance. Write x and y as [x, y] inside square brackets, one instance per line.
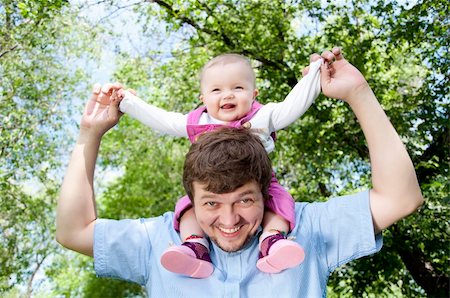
[278, 253]
[190, 259]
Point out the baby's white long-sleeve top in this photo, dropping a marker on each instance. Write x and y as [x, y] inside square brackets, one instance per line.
[270, 118]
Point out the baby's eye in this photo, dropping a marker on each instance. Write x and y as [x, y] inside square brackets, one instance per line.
[239, 88]
[215, 90]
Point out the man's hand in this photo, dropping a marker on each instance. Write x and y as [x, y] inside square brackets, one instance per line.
[339, 78]
[101, 112]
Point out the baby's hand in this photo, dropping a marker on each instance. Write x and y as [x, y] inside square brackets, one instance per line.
[122, 93]
[117, 95]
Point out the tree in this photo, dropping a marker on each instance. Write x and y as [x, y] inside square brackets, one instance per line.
[38, 89]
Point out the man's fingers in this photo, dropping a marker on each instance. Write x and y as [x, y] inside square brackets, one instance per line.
[106, 88]
[334, 54]
[325, 74]
[314, 57]
[109, 87]
[337, 53]
[96, 89]
[90, 105]
[328, 56]
[95, 92]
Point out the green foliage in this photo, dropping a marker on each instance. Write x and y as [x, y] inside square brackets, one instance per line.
[151, 182]
[73, 276]
[39, 45]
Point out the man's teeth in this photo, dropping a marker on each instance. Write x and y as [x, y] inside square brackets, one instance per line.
[229, 231]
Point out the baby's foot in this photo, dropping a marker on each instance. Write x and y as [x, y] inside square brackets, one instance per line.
[190, 259]
[278, 253]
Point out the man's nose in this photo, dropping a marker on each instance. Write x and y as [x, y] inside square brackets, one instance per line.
[229, 217]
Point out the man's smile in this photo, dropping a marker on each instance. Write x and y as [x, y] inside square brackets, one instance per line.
[229, 233]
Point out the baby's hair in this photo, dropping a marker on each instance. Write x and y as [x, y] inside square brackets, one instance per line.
[228, 58]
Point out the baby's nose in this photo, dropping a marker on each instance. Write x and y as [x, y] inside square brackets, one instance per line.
[229, 94]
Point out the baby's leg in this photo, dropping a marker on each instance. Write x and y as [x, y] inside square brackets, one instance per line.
[277, 253]
[191, 258]
[273, 223]
[189, 227]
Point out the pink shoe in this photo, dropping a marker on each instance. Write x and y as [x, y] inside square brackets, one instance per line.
[190, 259]
[279, 254]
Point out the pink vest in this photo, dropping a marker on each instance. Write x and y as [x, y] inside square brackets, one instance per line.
[194, 130]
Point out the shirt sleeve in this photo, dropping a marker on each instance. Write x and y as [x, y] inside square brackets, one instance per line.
[122, 250]
[346, 229]
[165, 122]
[298, 100]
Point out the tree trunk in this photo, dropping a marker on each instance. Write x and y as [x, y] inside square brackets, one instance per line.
[435, 284]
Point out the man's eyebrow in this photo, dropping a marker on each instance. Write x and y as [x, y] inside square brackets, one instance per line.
[247, 192]
[207, 196]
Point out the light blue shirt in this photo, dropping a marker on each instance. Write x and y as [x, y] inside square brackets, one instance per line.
[332, 234]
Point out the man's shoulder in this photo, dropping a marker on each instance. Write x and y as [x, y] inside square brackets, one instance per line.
[152, 230]
[313, 210]
[353, 197]
[158, 222]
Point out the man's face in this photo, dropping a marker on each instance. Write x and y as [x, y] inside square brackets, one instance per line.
[230, 219]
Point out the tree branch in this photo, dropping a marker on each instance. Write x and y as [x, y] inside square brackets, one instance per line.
[116, 11]
[178, 16]
[33, 274]
[279, 65]
[8, 50]
[439, 148]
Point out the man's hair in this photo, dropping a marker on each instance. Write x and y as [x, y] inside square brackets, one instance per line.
[228, 58]
[226, 159]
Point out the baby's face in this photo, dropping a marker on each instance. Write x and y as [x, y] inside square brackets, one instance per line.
[228, 91]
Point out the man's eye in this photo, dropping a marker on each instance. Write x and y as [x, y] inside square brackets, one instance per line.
[211, 204]
[246, 201]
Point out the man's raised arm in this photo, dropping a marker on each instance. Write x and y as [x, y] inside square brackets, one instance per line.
[76, 212]
[395, 190]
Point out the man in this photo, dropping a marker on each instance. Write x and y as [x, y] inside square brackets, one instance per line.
[228, 203]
